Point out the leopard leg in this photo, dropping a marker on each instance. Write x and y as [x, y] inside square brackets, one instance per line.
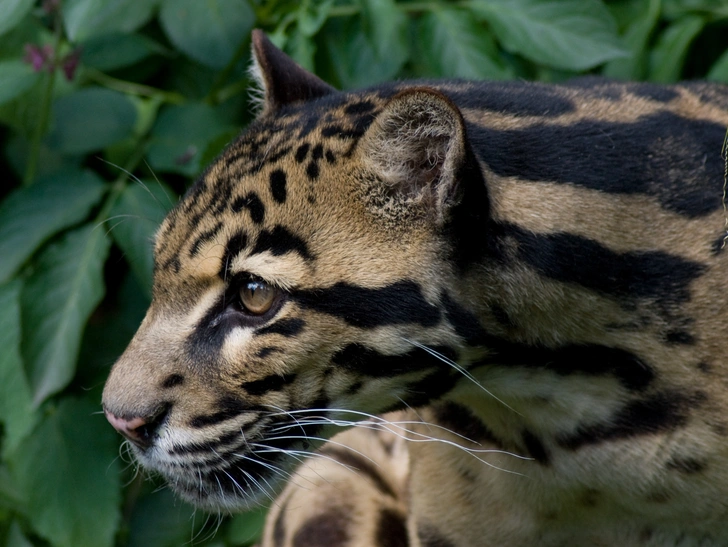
[353, 494]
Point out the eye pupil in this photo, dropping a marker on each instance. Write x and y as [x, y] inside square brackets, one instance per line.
[257, 297]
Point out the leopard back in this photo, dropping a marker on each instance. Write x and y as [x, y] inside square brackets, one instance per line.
[514, 291]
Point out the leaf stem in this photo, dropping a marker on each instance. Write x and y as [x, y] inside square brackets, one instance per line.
[133, 88]
[45, 109]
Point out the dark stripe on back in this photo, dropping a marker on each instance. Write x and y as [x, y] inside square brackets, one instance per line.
[399, 303]
[659, 413]
[587, 359]
[661, 155]
[638, 274]
[280, 241]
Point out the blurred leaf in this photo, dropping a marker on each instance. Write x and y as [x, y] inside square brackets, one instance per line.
[312, 15]
[353, 58]
[565, 34]
[719, 70]
[31, 215]
[209, 31]
[454, 45]
[161, 520]
[639, 27]
[13, 12]
[16, 409]
[134, 220]
[246, 529]
[181, 135]
[86, 18]
[69, 469]
[668, 56]
[302, 49]
[90, 119]
[674, 9]
[15, 78]
[114, 51]
[16, 538]
[57, 300]
[386, 27]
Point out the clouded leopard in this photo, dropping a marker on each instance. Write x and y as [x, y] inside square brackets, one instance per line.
[517, 291]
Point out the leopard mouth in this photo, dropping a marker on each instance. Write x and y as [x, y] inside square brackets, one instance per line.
[236, 470]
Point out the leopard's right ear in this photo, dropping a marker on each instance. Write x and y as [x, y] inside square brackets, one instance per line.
[281, 79]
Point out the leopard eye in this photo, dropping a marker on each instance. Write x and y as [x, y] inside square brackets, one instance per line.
[257, 297]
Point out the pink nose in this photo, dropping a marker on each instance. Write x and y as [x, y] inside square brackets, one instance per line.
[136, 429]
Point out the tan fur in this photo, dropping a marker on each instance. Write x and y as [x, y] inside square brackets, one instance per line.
[378, 210]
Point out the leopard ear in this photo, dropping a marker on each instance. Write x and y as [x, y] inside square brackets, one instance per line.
[282, 80]
[417, 146]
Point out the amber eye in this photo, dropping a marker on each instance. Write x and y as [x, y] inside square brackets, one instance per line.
[257, 297]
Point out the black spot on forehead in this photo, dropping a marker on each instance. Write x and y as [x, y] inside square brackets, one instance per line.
[278, 185]
[204, 237]
[234, 247]
[302, 152]
[253, 204]
[312, 170]
[280, 241]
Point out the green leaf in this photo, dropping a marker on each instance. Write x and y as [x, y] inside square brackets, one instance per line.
[353, 57]
[312, 15]
[15, 78]
[454, 45]
[640, 23]
[245, 529]
[90, 119]
[57, 300]
[209, 31]
[86, 18]
[16, 538]
[114, 51]
[180, 136]
[668, 56]
[16, 408]
[719, 70]
[13, 12]
[69, 470]
[385, 26]
[31, 215]
[563, 34]
[134, 220]
[161, 520]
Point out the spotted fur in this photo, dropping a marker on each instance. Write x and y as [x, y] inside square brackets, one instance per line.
[517, 290]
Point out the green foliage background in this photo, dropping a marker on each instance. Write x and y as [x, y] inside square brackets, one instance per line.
[109, 108]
